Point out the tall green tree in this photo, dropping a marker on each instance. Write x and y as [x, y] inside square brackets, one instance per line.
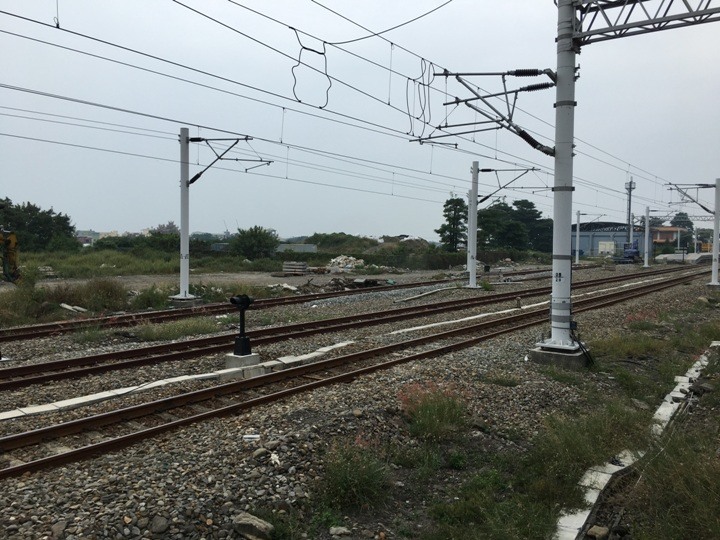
[453, 233]
[520, 226]
[656, 221]
[681, 219]
[37, 229]
[255, 242]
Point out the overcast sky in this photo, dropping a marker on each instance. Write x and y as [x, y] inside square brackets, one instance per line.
[90, 112]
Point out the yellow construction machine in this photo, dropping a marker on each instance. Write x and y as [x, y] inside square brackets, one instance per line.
[9, 255]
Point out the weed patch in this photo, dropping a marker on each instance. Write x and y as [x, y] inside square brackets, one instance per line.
[521, 497]
[433, 412]
[355, 475]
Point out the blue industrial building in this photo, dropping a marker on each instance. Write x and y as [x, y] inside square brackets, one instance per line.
[599, 238]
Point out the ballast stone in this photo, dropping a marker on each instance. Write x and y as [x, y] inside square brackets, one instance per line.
[250, 527]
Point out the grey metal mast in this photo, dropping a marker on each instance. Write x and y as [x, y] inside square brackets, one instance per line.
[581, 22]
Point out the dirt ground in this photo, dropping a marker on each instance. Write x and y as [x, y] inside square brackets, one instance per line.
[257, 279]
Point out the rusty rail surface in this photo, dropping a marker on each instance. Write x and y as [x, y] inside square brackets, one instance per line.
[28, 374]
[487, 330]
[19, 333]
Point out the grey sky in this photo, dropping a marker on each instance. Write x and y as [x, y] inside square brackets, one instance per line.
[647, 108]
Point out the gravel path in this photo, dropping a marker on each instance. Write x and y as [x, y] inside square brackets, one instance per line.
[198, 482]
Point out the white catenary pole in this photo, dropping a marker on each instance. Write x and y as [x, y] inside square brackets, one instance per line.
[647, 237]
[184, 215]
[472, 228]
[716, 235]
[560, 307]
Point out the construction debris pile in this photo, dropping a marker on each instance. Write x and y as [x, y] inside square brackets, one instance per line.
[338, 265]
[334, 285]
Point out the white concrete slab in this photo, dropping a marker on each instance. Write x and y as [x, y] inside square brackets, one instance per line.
[595, 479]
[9, 415]
[234, 360]
[37, 409]
[570, 525]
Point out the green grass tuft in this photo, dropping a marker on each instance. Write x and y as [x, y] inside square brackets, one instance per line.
[433, 412]
[355, 476]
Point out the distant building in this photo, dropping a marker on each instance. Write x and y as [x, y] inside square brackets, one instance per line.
[608, 238]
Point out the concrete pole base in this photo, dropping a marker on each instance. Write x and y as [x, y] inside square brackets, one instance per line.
[235, 361]
[573, 360]
[185, 301]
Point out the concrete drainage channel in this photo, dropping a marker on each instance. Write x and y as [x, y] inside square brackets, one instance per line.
[571, 526]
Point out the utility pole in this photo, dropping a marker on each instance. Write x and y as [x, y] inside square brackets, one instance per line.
[647, 237]
[561, 338]
[716, 236]
[629, 186]
[472, 228]
[184, 216]
[185, 183]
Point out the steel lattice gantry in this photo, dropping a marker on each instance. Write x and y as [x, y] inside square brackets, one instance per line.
[601, 20]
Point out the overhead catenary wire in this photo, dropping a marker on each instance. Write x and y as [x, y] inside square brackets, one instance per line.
[618, 193]
[174, 162]
[398, 132]
[651, 177]
[383, 127]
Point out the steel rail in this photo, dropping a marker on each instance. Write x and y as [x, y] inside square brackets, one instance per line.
[510, 324]
[20, 376]
[19, 333]
[133, 319]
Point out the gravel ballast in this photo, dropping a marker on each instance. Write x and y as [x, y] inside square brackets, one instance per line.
[199, 481]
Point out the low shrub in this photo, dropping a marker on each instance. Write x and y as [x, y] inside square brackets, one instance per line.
[433, 411]
[355, 475]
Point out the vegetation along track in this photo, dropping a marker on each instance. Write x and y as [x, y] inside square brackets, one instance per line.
[132, 319]
[124, 428]
[21, 376]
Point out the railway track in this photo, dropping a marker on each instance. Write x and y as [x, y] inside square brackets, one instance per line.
[71, 441]
[20, 333]
[25, 375]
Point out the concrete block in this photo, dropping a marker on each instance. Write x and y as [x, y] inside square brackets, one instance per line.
[292, 361]
[591, 496]
[570, 525]
[253, 371]
[8, 415]
[38, 409]
[236, 361]
[627, 458]
[230, 373]
[274, 365]
[576, 361]
[607, 468]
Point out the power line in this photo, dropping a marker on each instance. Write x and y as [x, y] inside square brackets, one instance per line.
[377, 34]
[174, 161]
[399, 133]
[368, 163]
[302, 112]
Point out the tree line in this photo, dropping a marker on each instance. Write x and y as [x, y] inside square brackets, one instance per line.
[519, 226]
